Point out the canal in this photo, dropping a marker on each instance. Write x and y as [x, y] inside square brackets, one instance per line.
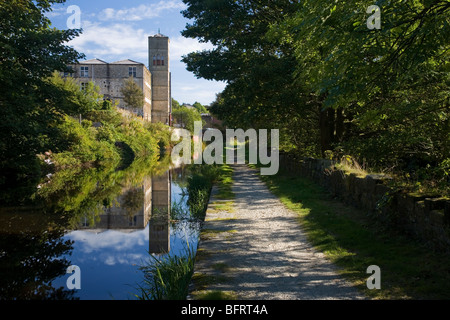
[106, 224]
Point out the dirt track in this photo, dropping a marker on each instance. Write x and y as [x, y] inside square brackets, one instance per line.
[259, 252]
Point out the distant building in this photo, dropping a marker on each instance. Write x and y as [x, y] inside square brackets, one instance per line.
[110, 78]
[154, 81]
[211, 121]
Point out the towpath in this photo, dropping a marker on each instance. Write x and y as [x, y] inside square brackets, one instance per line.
[258, 251]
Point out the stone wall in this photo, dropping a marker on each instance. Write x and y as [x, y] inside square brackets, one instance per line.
[422, 217]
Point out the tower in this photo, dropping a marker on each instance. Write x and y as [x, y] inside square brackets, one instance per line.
[159, 66]
[159, 228]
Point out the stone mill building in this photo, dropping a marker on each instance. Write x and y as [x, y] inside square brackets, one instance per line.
[154, 80]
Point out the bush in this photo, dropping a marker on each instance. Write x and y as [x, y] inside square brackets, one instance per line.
[162, 132]
[186, 117]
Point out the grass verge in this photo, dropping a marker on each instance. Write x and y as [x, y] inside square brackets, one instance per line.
[168, 278]
[409, 270]
[215, 295]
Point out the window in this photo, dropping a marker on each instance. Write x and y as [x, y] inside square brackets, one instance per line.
[84, 86]
[132, 221]
[158, 60]
[132, 72]
[68, 73]
[84, 72]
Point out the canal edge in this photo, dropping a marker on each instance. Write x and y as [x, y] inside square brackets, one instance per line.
[219, 213]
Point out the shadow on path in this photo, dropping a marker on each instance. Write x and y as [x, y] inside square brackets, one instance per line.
[259, 251]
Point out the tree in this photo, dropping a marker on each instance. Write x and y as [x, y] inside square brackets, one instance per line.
[132, 94]
[30, 51]
[67, 95]
[327, 81]
[391, 85]
[175, 104]
[261, 90]
[186, 117]
[200, 108]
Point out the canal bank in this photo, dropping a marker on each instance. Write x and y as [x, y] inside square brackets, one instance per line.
[252, 247]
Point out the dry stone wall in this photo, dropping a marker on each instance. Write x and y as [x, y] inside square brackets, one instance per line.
[422, 217]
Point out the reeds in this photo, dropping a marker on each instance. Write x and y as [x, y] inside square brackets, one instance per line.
[168, 277]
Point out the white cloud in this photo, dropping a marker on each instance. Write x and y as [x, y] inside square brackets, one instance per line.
[56, 12]
[203, 91]
[117, 41]
[123, 41]
[112, 41]
[89, 242]
[141, 12]
[180, 46]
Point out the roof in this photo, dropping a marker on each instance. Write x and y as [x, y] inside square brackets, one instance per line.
[159, 35]
[127, 61]
[93, 61]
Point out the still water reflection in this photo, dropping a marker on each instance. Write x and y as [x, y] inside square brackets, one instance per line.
[107, 240]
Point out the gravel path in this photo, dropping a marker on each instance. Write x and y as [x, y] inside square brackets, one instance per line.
[259, 251]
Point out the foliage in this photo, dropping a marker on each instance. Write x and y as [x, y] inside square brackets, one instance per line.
[175, 104]
[314, 70]
[200, 108]
[162, 132]
[199, 187]
[30, 51]
[67, 96]
[132, 94]
[186, 117]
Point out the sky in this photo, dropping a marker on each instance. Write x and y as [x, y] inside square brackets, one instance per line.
[115, 30]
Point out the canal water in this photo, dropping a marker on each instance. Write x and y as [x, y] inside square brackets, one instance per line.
[108, 229]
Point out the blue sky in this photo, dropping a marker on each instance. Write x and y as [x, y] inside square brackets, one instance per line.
[115, 30]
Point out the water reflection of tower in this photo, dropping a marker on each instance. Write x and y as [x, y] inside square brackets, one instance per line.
[159, 232]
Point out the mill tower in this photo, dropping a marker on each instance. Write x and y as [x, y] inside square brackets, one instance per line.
[159, 66]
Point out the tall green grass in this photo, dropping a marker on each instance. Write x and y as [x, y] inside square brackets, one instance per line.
[167, 278]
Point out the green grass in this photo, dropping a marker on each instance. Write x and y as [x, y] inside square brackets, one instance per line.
[210, 233]
[217, 206]
[215, 295]
[167, 278]
[222, 267]
[224, 182]
[202, 281]
[352, 241]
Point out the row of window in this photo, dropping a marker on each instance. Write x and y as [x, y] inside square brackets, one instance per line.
[132, 72]
[85, 85]
[84, 72]
[132, 221]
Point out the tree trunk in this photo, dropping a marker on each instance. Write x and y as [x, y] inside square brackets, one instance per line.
[326, 128]
[339, 125]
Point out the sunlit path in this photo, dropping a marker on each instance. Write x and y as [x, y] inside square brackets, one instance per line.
[258, 251]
